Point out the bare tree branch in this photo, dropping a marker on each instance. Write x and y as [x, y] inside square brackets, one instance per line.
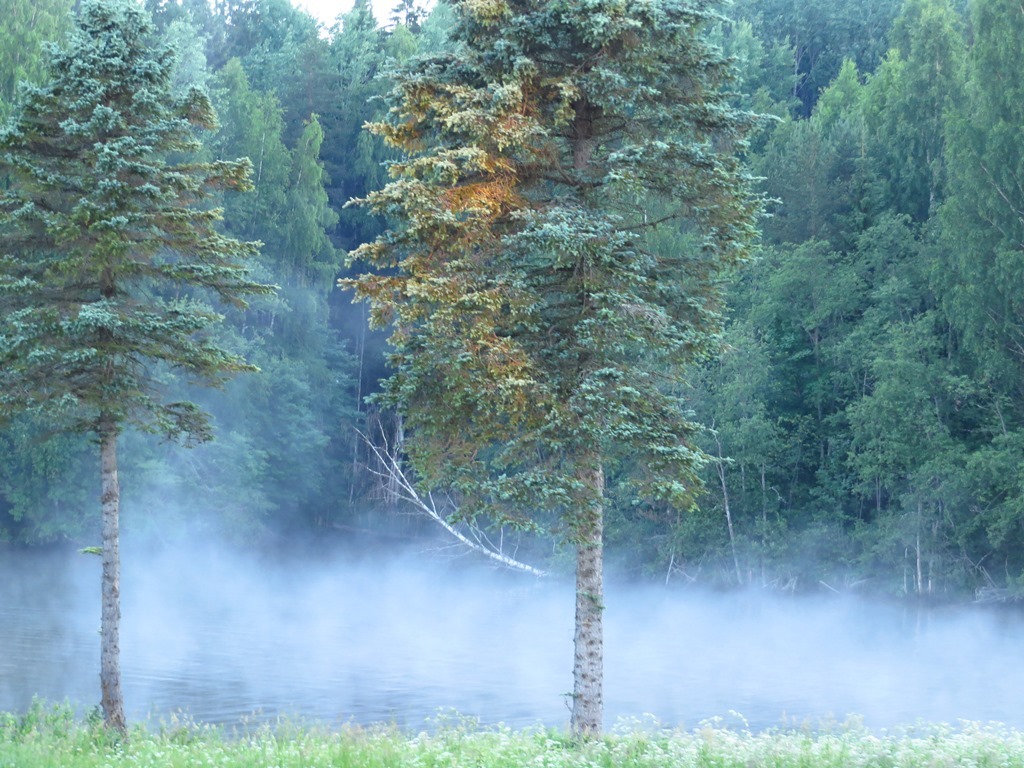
[395, 477]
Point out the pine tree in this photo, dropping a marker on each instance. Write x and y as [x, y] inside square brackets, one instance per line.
[538, 307]
[107, 241]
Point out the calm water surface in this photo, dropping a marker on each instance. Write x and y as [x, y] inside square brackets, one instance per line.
[229, 638]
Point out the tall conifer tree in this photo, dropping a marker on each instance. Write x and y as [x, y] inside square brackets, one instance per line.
[105, 232]
[567, 203]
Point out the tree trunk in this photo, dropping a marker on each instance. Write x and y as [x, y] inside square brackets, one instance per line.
[920, 579]
[588, 639]
[720, 465]
[110, 623]
[728, 523]
[588, 642]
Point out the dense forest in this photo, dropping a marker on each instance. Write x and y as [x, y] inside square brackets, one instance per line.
[863, 413]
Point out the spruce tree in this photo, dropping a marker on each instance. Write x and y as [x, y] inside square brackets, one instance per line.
[108, 240]
[568, 201]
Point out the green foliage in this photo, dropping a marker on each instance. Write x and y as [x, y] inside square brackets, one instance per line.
[739, 397]
[97, 222]
[50, 736]
[536, 312]
[919, 83]
[253, 127]
[866, 414]
[190, 68]
[822, 35]
[888, 332]
[355, 161]
[840, 100]
[257, 29]
[765, 81]
[816, 172]
[204, 17]
[26, 26]
[310, 217]
[981, 282]
[46, 483]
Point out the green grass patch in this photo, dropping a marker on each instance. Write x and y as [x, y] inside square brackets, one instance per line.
[49, 736]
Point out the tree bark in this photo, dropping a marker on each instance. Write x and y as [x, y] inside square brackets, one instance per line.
[110, 622]
[728, 511]
[588, 642]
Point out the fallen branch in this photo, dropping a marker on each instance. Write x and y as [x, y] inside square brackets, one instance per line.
[401, 486]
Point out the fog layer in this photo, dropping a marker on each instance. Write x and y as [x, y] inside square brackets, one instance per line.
[374, 638]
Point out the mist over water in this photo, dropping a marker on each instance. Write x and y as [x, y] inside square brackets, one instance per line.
[373, 638]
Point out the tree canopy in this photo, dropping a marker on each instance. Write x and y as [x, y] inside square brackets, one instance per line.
[539, 313]
[864, 413]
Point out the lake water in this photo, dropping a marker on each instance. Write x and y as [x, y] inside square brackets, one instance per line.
[366, 639]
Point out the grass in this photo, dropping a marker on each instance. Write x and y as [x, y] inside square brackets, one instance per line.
[49, 736]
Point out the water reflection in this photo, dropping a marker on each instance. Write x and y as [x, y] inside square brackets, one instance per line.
[227, 638]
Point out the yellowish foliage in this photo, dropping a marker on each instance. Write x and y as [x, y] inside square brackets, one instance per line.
[488, 198]
[488, 11]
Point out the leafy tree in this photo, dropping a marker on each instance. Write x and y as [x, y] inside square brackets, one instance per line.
[810, 299]
[256, 28]
[407, 13]
[907, 101]
[292, 61]
[433, 36]
[982, 280]
[206, 18]
[352, 159]
[537, 312]
[990, 528]
[902, 448]
[190, 66]
[26, 26]
[818, 171]
[45, 483]
[100, 232]
[253, 127]
[737, 395]
[822, 35]
[305, 231]
[279, 412]
[764, 77]
[978, 277]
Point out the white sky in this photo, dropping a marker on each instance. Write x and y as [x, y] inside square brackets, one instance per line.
[328, 10]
